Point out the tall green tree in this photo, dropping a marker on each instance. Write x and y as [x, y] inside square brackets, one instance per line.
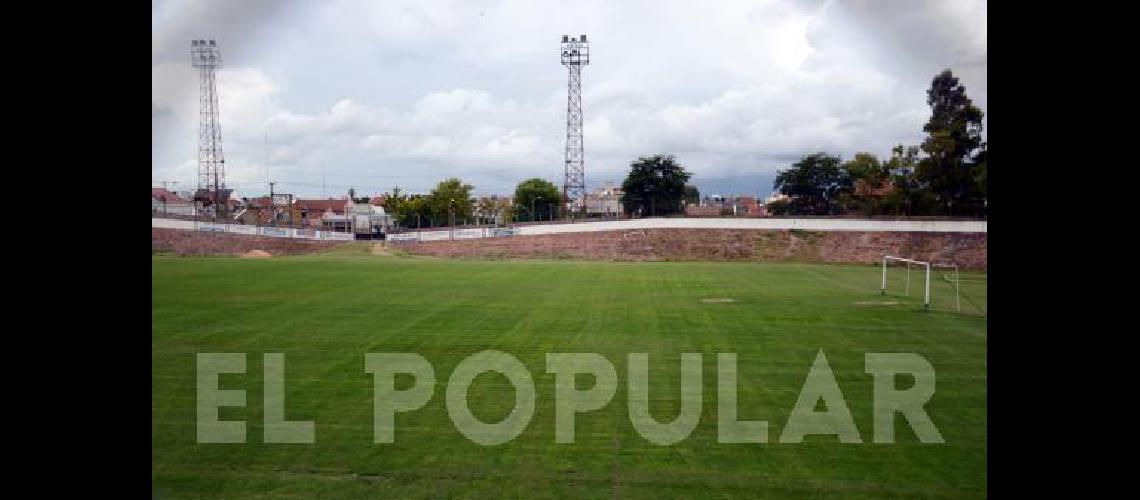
[814, 185]
[450, 201]
[954, 139]
[539, 195]
[655, 186]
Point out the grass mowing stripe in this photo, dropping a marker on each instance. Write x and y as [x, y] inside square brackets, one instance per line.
[325, 311]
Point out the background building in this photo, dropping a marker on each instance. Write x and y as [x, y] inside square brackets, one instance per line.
[604, 201]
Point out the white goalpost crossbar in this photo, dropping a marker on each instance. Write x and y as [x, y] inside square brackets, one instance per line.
[926, 299]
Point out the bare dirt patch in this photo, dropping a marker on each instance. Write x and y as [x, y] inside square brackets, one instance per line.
[380, 249]
[256, 254]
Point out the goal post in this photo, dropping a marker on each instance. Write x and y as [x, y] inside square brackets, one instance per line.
[926, 266]
[954, 282]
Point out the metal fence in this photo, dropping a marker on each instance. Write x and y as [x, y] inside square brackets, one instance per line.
[270, 231]
[476, 232]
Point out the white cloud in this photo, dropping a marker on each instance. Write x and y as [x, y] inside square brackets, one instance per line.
[372, 94]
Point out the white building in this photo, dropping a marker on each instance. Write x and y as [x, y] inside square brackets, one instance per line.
[777, 196]
[605, 200]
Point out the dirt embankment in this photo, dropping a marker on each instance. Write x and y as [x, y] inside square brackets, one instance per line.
[200, 243]
[966, 249]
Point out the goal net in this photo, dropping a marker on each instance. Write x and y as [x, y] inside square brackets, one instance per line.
[909, 277]
[941, 286]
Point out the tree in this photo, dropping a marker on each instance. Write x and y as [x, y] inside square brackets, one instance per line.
[450, 202]
[492, 210]
[954, 138]
[779, 207]
[416, 212]
[871, 181]
[867, 173]
[538, 199]
[981, 175]
[352, 196]
[655, 186]
[692, 195]
[814, 185]
[394, 201]
[407, 211]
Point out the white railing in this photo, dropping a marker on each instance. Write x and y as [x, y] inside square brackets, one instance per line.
[870, 225]
[275, 232]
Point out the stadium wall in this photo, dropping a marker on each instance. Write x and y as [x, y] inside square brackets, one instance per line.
[967, 249]
[735, 239]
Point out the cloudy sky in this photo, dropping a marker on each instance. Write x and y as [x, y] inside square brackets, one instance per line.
[374, 94]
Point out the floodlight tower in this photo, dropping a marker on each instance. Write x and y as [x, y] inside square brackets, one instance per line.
[575, 54]
[207, 59]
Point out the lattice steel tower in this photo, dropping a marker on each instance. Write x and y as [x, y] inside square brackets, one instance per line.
[207, 59]
[575, 54]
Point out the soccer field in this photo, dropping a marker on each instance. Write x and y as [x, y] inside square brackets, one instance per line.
[324, 312]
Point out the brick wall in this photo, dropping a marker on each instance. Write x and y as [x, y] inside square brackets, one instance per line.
[195, 243]
[965, 249]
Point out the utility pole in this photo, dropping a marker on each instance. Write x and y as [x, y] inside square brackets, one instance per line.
[272, 209]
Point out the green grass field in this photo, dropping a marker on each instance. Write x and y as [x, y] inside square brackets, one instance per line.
[325, 312]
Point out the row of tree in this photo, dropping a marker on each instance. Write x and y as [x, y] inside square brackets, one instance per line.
[945, 175]
[448, 204]
[451, 203]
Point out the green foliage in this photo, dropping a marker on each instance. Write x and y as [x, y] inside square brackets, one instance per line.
[867, 172]
[950, 178]
[655, 186]
[951, 168]
[870, 180]
[539, 195]
[394, 202]
[450, 201]
[408, 211]
[434, 209]
[981, 177]
[779, 207]
[493, 209]
[814, 184]
[692, 195]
